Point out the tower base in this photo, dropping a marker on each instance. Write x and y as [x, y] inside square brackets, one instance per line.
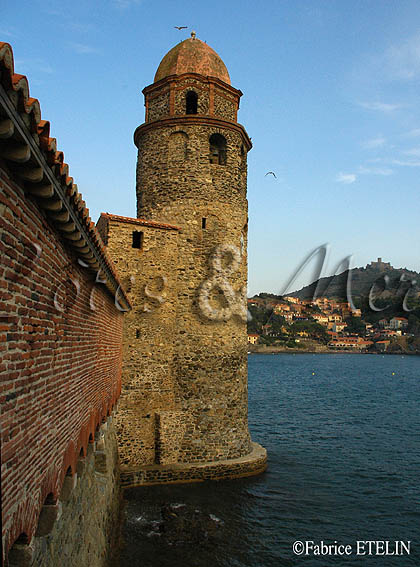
[252, 464]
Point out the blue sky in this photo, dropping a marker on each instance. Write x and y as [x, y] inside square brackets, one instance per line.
[331, 101]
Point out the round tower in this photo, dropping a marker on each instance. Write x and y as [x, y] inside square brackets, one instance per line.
[191, 172]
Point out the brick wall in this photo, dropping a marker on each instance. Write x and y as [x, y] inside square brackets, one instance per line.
[60, 341]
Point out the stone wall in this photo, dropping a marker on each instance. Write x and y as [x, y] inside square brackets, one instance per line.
[163, 182]
[255, 462]
[209, 356]
[184, 393]
[159, 106]
[214, 98]
[147, 379]
[225, 105]
[81, 528]
[208, 418]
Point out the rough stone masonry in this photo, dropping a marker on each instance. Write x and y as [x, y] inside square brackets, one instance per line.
[183, 410]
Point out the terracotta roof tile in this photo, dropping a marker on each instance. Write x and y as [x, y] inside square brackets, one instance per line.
[192, 56]
[142, 222]
[17, 89]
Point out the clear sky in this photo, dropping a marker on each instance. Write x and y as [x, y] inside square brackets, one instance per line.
[331, 101]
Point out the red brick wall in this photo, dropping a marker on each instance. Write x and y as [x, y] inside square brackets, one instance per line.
[60, 360]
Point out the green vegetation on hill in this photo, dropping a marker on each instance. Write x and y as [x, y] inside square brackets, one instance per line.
[259, 317]
[366, 321]
[311, 328]
[363, 281]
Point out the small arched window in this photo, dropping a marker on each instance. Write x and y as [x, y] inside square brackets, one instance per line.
[217, 149]
[191, 102]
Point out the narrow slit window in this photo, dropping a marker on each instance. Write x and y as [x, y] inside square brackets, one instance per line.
[137, 239]
[191, 102]
[203, 222]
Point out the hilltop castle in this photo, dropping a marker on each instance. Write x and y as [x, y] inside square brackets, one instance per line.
[149, 310]
[379, 265]
[183, 410]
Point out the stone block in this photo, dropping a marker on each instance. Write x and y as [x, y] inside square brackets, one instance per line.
[50, 513]
[21, 555]
[100, 462]
[69, 484]
[100, 441]
[81, 465]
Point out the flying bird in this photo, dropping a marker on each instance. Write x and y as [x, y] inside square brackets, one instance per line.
[181, 27]
[270, 173]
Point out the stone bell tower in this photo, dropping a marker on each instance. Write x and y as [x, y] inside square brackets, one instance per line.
[192, 174]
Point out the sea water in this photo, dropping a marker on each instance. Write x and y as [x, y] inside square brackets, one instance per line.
[343, 439]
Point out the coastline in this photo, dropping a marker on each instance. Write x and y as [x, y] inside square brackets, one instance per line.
[262, 349]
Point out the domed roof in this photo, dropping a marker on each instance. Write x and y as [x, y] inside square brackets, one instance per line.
[192, 56]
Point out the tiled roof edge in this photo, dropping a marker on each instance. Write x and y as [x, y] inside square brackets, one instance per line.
[46, 174]
[142, 222]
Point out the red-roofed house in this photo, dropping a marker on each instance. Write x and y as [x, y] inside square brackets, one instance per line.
[320, 318]
[253, 338]
[398, 323]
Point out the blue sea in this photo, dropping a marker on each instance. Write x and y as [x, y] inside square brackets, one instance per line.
[343, 438]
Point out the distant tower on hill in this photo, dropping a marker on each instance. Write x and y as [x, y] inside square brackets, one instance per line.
[379, 265]
[184, 401]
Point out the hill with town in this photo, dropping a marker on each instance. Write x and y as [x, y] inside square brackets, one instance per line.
[379, 316]
[376, 276]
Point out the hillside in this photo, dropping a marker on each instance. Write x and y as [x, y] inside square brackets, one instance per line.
[382, 316]
[362, 281]
[378, 293]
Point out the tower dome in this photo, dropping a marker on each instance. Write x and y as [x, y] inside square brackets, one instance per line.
[192, 56]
